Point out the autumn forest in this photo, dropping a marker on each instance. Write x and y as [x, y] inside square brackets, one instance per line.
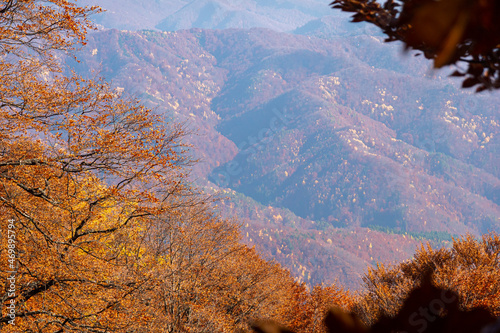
[103, 229]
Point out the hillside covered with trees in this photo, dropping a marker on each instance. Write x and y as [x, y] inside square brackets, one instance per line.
[104, 231]
[109, 223]
[312, 136]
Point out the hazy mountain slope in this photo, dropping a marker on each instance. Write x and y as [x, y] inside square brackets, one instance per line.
[334, 25]
[171, 15]
[315, 254]
[343, 167]
[170, 72]
[362, 154]
[320, 130]
[223, 14]
[133, 14]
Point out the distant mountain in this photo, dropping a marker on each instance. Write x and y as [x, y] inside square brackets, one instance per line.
[353, 146]
[172, 15]
[332, 161]
[336, 25]
[223, 14]
[133, 14]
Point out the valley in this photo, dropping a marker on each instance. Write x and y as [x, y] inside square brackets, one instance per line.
[313, 140]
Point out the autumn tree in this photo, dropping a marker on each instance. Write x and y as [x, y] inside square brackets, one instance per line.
[465, 33]
[207, 280]
[470, 268]
[306, 308]
[109, 235]
[80, 169]
[320, 300]
[445, 290]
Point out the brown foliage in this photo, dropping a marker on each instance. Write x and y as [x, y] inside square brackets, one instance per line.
[453, 290]
[447, 31]
[72, 164]
[305, 310]
[207, 280]
[469, 268]
[109, 235]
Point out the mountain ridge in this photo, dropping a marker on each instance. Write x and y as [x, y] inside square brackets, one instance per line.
[321, 138]
[173, 15]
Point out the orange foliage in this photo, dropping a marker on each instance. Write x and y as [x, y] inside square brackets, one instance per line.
[445, 290]
[469, 268]
[305, 309]
[109, 235]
